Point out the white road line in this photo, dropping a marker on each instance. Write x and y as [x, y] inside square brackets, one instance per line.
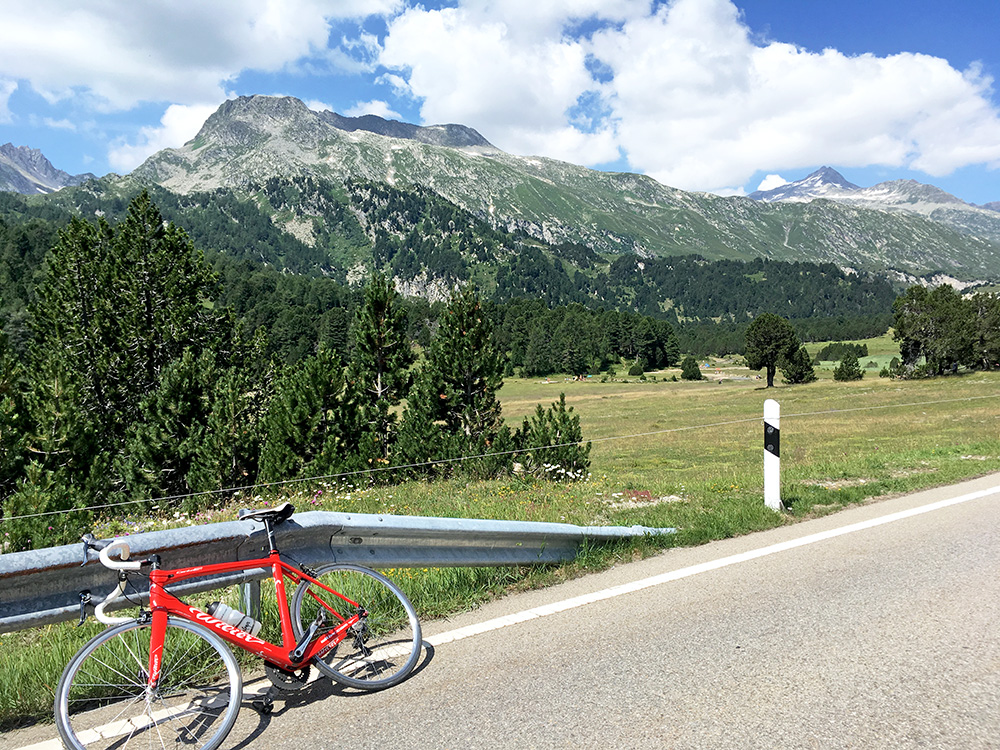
[675, 575]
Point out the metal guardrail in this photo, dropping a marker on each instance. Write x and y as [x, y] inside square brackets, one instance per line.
[43, 586]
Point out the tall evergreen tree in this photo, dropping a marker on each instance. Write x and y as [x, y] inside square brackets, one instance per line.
[378, 374]
[986, 336]
[229, 454]
[308, 425]
[539, 358]
[73, 317]
[798, 368]
[467, 371]
[116, 305]
[13, 421]
[163, 445]
[769, 339]
[937, 325]
[422, 439]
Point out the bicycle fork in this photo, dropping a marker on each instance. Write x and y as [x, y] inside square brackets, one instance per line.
[158, 634]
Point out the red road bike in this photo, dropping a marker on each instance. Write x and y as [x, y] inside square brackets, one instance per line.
[168, 678]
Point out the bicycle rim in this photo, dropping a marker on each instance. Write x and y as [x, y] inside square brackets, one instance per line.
[383, 649]
[102, 700]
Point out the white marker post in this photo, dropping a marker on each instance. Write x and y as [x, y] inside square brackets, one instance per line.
[772, 453]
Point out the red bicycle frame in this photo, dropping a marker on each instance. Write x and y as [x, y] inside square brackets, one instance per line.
[162, 604]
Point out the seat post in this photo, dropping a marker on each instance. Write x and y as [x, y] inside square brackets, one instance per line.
[269, 528]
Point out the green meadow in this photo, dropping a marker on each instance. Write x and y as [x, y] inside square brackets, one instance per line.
[665, 453]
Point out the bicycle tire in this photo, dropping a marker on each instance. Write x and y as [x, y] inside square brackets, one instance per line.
[385, 650]
[101, 699]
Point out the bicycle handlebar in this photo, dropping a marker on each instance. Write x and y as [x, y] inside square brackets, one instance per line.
[122, 549]
[99, 609]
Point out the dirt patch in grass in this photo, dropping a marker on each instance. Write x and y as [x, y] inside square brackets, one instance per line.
[640, 499]
[835, 484]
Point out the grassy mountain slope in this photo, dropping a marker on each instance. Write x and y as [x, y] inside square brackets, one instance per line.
[316, 228]
[251, 139]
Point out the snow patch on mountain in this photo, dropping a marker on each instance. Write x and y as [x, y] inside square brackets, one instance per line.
[900, 196]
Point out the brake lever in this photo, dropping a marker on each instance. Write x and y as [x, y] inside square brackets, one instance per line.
[89, 543]
[85, 599]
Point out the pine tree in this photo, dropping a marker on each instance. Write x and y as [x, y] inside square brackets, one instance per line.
[467, 371]
[769, 339]
[669, 347]
[308, 425]
[938, 325]
[13, 421]
[690, 369]
[229, 454]
[73, 318]
[163, 443]
[538, 355]
[849, 368]
[421, 439]
[553, 443]
[798, 368]
[986, 338]
[114, 307]
[378, 374]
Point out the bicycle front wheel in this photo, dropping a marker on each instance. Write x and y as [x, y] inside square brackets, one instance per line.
[103, 699]
[383, 648]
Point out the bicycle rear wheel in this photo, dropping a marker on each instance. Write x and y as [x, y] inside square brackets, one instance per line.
[383, 648]
[102, 700]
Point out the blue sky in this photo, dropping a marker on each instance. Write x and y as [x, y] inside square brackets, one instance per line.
[716, 95]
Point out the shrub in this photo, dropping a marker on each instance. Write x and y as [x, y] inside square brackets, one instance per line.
[555, 443]
[690, 369]
[849, 368]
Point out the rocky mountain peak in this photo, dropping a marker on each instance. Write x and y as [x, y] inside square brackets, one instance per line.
[246, 119]
[819, 184]
[830, 176]
[252, 139]
[26, 170]
[239, 121]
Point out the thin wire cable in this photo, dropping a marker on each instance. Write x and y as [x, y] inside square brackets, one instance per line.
[421, 464]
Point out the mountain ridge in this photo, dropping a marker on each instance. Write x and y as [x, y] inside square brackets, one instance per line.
[27, 171]
[900, 196]
[249, 140]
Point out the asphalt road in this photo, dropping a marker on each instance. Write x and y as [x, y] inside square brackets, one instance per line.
[859, 630]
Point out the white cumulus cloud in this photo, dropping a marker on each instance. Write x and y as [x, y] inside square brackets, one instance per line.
[7, 88]
[117, 53]
[179, 124]
[479, 67]
[771, 182]
[684, 90]
[374, 107]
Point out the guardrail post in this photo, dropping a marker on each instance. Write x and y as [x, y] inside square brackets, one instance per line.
[250, 599]
[772, 455]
